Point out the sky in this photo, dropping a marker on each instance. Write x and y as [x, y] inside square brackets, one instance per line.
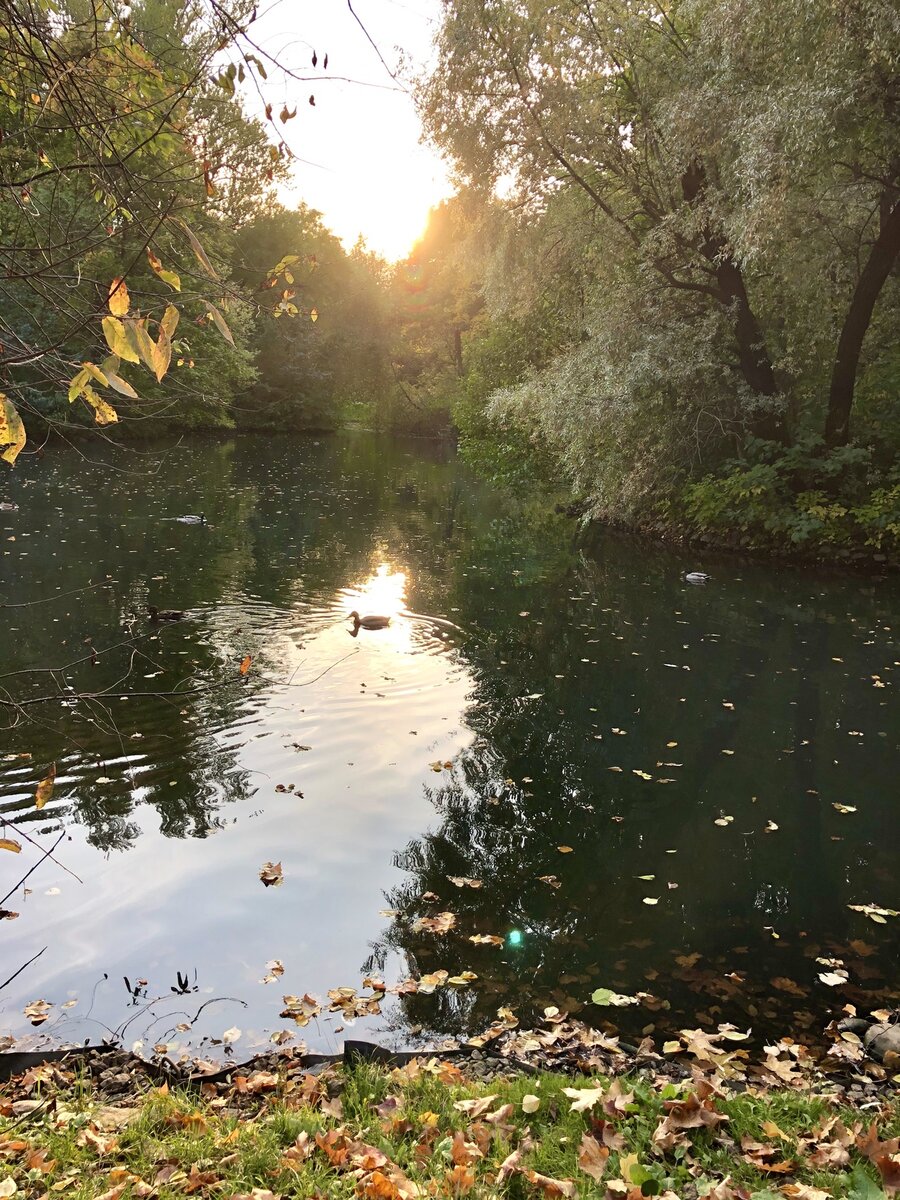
[364, 168]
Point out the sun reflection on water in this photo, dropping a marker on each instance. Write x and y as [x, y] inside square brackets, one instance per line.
[382, 594]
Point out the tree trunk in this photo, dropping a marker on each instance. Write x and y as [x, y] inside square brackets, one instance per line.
[457, 352]
[753, 358]
[882, 256]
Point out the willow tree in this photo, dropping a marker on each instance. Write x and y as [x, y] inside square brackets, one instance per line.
[804, 102]
[566, 95]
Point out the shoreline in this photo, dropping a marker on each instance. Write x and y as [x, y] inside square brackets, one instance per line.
[390, 1128]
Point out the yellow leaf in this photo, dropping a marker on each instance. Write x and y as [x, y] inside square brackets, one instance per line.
[118, 340]
[314, 315]
[162, 355]
[166, 276]
[169, 322]
[104, 414]
[12, 431]
[9, 844]
[121, 385]
[96, 374]
[220, 323]
[118, 299]
[45, 787]
[142, 341]
[76, 385]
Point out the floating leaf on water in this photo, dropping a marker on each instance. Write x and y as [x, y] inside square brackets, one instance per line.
[230, 1036]
[651, 900]
[486, 939]
[549, 879]
[833, 978]
[723, 820]
[771, 827]
[246, 663]
[37, 1011]
[45, 787]
[844, 808]
[607, 998]
[461, 881]
[440, 923]
[565, 849]
[10, 844]
[875, 912]
[271, 874]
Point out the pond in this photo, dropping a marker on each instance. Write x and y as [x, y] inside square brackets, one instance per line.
[637, 784]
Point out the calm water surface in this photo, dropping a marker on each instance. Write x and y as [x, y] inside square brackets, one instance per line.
[671, 757]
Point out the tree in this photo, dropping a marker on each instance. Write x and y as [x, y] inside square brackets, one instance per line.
[121, 150]
[567, 95]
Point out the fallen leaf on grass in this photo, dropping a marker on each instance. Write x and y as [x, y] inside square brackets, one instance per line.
[8, 1187]
[93, 1139]
[474, 1108]
[459, 1180]
[592, 1157]
[550, 1186]
[531, 1103]
[802, 1191]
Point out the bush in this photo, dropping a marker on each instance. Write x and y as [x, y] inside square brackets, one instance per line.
[803, 496]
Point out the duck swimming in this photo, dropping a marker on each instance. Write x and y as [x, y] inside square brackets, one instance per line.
[192, 519]
[368, 622]
[165, 614]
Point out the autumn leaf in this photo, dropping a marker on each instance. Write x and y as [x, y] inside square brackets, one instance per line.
[220, 323]
[118, 299]
[440, 923]
[118, 341]
[584, 1099]
[246, 663]
[271, 874]
[168, 277]
[592, 1157]
[12, 431]
[550, 1186]
[37, 1011]
[9, 844]
[45, 787]
[459, 1180]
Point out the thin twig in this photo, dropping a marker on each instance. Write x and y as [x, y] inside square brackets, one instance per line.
[21, 969]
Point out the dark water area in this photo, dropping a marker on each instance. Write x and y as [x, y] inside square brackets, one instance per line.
[658, 788]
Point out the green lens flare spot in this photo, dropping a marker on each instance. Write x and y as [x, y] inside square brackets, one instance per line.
[514, 937]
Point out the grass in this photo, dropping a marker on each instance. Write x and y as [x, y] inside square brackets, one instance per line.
[228, 1142]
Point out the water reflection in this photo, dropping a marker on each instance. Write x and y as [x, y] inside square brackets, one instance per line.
[613, 737]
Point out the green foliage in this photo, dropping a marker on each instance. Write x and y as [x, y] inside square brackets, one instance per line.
[702, 209]
[803, 497]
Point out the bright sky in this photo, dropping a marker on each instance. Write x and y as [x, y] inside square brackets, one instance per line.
[370, 173]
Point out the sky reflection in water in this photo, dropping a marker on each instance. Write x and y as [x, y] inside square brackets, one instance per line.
[583, 694]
